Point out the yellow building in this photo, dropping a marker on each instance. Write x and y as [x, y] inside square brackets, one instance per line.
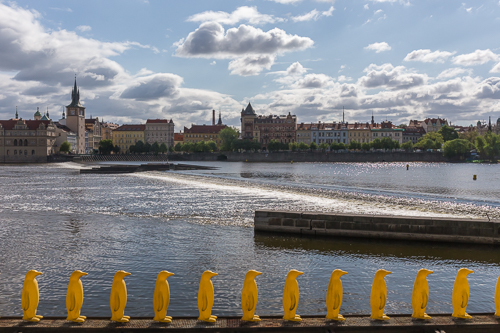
[359, 132]
[205, 133]
[128, 135]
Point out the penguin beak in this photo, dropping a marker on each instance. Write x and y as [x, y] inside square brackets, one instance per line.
[258, 273]
[170, 274]
[429, 272]
[38, 273]
[127, 273]
[387, 272]
[300, 273]
[214, 274]
[469, 271]
[343, 273]
[83, 273]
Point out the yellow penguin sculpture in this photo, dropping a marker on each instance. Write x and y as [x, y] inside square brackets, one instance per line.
[497, 298]
[206, 297]
[249, 296]
[378, 295]
[420, 294]
[291, 296]
[334, 296]
[74, 297]
[161, 298]
[118, 298]
[460, 296]
[31, 296]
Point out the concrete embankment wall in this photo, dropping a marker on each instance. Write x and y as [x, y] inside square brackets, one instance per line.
[380, 227]
[283, 156]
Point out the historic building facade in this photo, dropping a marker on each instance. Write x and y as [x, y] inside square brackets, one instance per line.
[128, 135]
[75, 119]
[160, 130]
[94, 129]
[26, 141]
[266, 128]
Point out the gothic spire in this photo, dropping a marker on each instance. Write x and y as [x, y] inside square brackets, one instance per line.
[220, 119]
[17, 116]
[75, 96]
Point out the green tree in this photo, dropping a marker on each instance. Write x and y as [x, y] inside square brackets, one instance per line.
[324, 146]
[366, 146]
[178, 147]
[227, 136]
[171, 149]
[105, 147]
[456, 148]
[431, 140]
[408, 146]
[146, 148]
[354, 145]
[163, 148]
[293, 146]
[138, 147]
[116, 149]
[155, 148]
[303, 146]
[132, 149]
[212, 146]
[448, 133]
[470, 136]
[313, 146]
[273, 145]
[377, 144]
[488, 146]
[65, 147]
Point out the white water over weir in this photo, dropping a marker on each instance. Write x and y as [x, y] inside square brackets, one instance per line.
[452, 230]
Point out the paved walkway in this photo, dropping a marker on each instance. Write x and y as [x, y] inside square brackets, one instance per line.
[397, 323]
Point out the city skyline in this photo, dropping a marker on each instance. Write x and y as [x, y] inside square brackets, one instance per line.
[137, 59]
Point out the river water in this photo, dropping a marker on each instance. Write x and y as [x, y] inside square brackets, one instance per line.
[55, 220]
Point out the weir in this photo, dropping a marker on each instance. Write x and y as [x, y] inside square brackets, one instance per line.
[433, 229]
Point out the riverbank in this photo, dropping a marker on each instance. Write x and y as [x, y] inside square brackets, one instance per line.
[483, 323]
[450, 230]
[281, 156]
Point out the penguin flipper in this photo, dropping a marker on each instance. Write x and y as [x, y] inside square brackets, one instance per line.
[250, 302]
[117, 302]
[465, 299]
[336, 301]
[159, 300]
[204, 302]
[293, 301]
[425, 298]
[25, 301]
[382, 301]
[72, 302]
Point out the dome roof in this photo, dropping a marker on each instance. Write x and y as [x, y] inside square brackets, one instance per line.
[38, 114]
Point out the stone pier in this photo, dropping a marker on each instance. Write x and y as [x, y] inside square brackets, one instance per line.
[453, 230]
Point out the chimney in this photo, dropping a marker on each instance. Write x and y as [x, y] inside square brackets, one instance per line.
[213, 117]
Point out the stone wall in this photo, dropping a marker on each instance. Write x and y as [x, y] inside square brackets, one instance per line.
[378, 226]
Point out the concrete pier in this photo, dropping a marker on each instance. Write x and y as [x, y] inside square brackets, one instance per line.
[433, 229]
[483, 323]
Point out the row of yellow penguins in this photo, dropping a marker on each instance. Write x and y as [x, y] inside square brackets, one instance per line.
[161, 298]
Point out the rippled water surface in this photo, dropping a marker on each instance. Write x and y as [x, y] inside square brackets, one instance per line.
[54, 220]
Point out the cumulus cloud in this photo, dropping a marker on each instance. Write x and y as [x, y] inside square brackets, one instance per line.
[153, 87]
[478, 57]
[390, 77]
[296, 68]
[251, 65]
[211, 41]
[313, 15]
[83, 28]
[425, 55]
[496, 68]
[313, 81]
[378, 47]
[452, 72]
[244, 13]
[489, 88]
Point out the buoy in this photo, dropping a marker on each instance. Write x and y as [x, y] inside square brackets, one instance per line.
[407, 167]
[474, 177]
[291, 162]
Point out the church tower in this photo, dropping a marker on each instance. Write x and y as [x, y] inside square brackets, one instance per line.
[75, 119]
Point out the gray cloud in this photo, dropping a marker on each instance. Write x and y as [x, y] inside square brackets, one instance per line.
[211, 41]
[489, 88]
[313, 81]
[391, 77]
[251, 65]
[153, 87]
[477, 57]
[425, 55]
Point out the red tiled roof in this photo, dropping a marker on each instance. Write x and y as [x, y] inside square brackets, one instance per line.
[131, 128]
[204, 128]
[434, 120]
[178, 137]
[157, 121]
[32, 124]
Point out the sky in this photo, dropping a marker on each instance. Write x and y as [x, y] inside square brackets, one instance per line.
[147, 59]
